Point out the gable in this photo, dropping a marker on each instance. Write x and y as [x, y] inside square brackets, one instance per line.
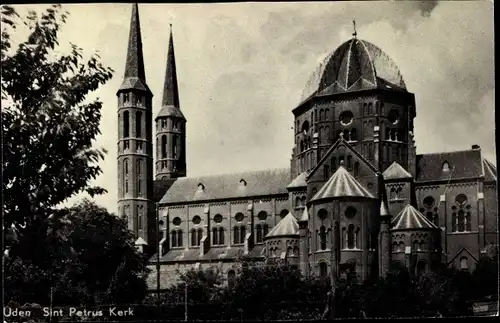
[462, 253]
[342, 150]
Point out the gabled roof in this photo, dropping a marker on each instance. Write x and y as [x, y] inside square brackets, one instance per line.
[462, 251]
[342, 184]
[305, 215]
[160, 186]
[409, 218]
[490, 171]
[396, 171]
[463, 164]
[226, 186]
[341, 141]
[288, 226]
[299, 181]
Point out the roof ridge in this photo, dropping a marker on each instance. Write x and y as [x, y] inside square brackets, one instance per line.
[237, 173]
[449, 152]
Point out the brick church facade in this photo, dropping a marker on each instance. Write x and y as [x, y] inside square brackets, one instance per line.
[356, 195]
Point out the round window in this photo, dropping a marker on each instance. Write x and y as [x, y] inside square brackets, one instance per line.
[346, 118]
[393, 116]
[239, 217]
[176, 221]
[196, 219]
[218, 218]
[370, 185]
[461, 199]
[262, 216]
[429, 202]
[350, 212]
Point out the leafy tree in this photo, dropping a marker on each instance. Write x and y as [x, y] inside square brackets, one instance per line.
[485, 275]
[47, 126]
[91, 260]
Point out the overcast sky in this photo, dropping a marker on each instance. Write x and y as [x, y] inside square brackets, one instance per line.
[242, 68]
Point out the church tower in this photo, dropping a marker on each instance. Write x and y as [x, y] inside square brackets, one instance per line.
[135, 147]
[170, 125]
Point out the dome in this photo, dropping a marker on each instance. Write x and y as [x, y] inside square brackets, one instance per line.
[354, 66]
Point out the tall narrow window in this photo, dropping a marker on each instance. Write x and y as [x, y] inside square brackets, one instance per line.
[349, 162]
[221, 235]
[344, 238]
[194, 241]
[199, 236]
[265, 229]
[139, 187]
[346, 135]
[164, 146]
[454, 222]
[356, 169]
[326, 173]
[353, 134]
[461, 221]
[468, 222]
[215, 236]
[242, 234]
[259, 233]
[138, 124]
[231, 279]
[236, 235]
[334, 164]
[174, 238]
[323, 270]
[350, 237]
[139, 219]
[175, 150]
[126, 125]
[139, 167]
[179, 238]
[463, 264]
[126, 186]
[322, 237]
[125, 166]
[370, 151]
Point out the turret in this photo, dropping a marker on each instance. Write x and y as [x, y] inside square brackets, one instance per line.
[170, 125]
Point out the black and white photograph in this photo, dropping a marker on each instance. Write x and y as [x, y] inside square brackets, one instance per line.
[248, 161]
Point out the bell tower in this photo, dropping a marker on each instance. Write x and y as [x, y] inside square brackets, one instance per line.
[135, 147]
[170, 125]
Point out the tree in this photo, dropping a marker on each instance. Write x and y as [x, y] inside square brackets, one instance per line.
[485, 275]
[90, 260]
[47, 127]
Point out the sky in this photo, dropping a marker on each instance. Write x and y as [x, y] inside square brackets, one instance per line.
[242, 68]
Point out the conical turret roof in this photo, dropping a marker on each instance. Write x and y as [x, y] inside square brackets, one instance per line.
[396, 171]
[342, 184]
[409, 218]
[286, 227]
[305, 215]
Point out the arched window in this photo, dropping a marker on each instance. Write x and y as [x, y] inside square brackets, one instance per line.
[394, 246]
[461, 221]
[454, 222]
[463, 264]
[343, 240]
[468, 222]
[323, 269]
[421, 268]
[138, 124]
[305, 127]
[231, 279]
[297, 202]
[215, 236]
[265, 228]
[327, 112]
[174, 238]
[356, 169]
[350, 237]
[242, 234]
[139, 187]
[334, 164]
[346, 134]
[236, 235]
[322, 237]
[370, 109]
[283, 213]
[321, 115]
[126, 186]
[349, 162]
[446, 167]
[301, 146]
[175, 148]
[125, 166]
[258, 228]
[164, 146]
[416, 246]
[139, 167]
[126, 124]
[221, 236]
[370, 150]
[401, 246]
[326, 172]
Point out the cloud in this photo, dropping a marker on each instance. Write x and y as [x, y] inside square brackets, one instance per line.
[242, 68]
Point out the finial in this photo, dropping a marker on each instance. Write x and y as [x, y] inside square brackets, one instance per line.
[341, 135]
[354, 34]
[342, 162]
[170, 24]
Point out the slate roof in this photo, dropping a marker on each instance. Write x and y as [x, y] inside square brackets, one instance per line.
[227, 186]
[342, 184]
[409, 218]
[214, 254]
[384, 210]
[466, 164]
[160, 186]
[170, 111]
[299, 181]
[490, 171]
[286, 227]
[396, 171]
[355, 65]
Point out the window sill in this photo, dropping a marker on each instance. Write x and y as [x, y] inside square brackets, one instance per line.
[462, 232]
[355, 249]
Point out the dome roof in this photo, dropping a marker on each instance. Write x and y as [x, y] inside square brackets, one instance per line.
[355, 65]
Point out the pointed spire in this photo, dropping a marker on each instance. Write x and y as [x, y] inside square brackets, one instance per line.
[354, 34]
[170, 88]
[135, 77]
[135, 60]
[384, 210]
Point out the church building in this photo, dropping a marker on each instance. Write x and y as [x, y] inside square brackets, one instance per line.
[356, 196]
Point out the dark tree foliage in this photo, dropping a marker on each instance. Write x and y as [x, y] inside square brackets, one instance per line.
[90, 259]
[47, 126]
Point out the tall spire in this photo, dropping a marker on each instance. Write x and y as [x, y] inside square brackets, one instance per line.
[135, 60]
[135, 77]
[170, 88]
